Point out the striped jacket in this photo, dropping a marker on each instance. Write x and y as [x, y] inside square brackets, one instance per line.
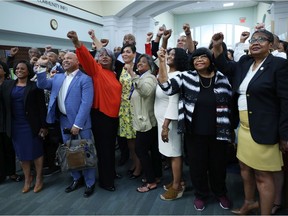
[187, 83]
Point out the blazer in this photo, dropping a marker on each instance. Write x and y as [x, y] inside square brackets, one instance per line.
[34, 104]
[78, 100]
[142, 102]
[267, 96]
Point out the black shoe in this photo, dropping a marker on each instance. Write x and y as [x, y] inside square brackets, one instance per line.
[74, 185]
[108, 188]
[89, 191]
[132, 176]
[16, 177]
[118, 176]
[123, 160]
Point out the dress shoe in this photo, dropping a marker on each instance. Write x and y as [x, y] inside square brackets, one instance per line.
[38, 187]
[130, 171]
[246, 208]
[74, 185]
[27, 185]
[112, 188]
[132, 176]
[89, 191]
[16, 177]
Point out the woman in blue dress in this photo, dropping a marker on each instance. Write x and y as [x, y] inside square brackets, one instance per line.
[25, 112]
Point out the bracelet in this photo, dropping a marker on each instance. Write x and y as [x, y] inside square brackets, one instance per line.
[165, 129]
[188, 33]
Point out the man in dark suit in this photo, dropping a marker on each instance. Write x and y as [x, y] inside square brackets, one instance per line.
[71, 101]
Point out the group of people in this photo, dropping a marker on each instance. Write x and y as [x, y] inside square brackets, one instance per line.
[158, 104]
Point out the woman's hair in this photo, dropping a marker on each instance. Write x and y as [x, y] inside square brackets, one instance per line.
[29, 68]
[208, 53]
[109, 53]
[6, 69]
[150, 62]
[180, 59]
[285, 46]
[133, 48]
[267, 33]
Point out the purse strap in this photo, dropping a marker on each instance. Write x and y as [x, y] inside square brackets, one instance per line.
[71, 138]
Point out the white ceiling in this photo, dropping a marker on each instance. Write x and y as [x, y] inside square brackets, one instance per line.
[152, 8]
[204, 6]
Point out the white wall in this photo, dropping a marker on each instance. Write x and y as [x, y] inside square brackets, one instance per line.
[28, 25]
[168, 20]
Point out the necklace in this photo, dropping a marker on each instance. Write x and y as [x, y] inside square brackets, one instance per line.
[203, 84]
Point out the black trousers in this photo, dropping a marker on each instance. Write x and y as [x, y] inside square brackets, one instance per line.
[148, 153]
[207, 163]
[51, 143]
[104, 129]
[7, 157]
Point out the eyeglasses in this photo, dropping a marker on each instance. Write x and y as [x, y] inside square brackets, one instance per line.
[204, 56]
[259, 40]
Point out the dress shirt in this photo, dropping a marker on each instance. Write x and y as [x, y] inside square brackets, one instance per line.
[63, 91]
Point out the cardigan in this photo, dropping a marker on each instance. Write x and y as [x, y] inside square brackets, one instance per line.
[188, 85]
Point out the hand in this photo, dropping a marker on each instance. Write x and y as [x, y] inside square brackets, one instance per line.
[260, 26]
[48, 48]
[52, 73]
[161, 30]
[283, 145]
[161, 54]
[244, 36]
[43, 60]
[43, 132]
[75, 130]
[104, 42]
[164, 134]
[91, 33]
[167, 34]
[149, 37]
[72, 35]
[14, 51]
[129, 69]
[186, 28]
[217, 39]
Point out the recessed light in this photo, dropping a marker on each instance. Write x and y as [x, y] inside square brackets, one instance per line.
[230, 4]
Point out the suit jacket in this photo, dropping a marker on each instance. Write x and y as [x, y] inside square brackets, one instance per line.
[267, 96]
[78, 100]
[142, 102]
[34, 104]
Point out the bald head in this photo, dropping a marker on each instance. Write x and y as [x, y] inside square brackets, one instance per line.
[70, 62]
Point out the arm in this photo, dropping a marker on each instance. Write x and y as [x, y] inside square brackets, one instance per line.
[98, 45]
[85, 58]
[282, 93]
[239, 50]
[162, 74]
[189, 41]
[86, 102]
[166, 36]
[148, 48]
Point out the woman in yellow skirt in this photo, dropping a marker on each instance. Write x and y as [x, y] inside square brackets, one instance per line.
[260, 93]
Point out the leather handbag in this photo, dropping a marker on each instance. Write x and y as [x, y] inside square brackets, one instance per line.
[77, 154]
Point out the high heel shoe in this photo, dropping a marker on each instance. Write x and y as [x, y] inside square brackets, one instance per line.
[27, 187]
[38, 186]
[247, 208]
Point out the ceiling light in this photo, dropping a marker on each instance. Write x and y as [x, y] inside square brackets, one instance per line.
[230, 4]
